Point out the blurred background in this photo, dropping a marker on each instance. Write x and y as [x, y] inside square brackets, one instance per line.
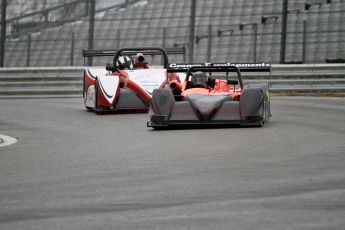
[54, 33]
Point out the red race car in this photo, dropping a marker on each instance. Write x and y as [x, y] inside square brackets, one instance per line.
[126, 85]
[212, 94]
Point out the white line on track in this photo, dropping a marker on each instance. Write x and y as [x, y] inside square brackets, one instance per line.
[6, 140]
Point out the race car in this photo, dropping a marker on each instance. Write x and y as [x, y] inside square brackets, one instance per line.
[126, 85]
[212, 94]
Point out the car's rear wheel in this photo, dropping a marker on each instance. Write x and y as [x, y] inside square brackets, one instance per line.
[87, 107]
[263, 113]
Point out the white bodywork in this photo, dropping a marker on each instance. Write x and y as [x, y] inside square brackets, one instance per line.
[108, 86]
[90, 97]
[148, 79]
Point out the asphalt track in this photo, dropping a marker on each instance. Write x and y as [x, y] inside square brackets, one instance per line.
[72, 169]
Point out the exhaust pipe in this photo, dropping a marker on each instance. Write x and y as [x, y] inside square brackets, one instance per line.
[175, 86]
[140, 58]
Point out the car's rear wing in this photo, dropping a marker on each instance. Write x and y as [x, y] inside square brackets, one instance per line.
[133, 51]
[146, 51]
[243, 67]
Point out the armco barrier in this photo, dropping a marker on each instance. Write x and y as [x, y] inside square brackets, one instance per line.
[43, 82]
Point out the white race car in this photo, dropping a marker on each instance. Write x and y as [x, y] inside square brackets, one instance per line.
[126, 85]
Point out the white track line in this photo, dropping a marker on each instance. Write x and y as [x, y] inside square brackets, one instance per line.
[6, 140]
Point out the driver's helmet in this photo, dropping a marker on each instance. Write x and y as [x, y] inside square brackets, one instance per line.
[124, 62]
[199, 79]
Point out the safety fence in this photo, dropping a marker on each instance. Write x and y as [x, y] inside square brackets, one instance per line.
[40, 51]
[239, 31]
[58, 15]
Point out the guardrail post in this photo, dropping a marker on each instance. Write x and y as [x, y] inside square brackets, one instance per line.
[72, 49]
[3, 32]
[304, 40]
[28, 54]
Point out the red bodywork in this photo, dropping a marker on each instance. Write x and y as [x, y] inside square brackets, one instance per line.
[221, 87]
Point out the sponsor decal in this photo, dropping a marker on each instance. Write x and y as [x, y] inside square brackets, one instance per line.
[148, 79]
[91, 95]
[239, 65]
[174, 65]
[90, 98]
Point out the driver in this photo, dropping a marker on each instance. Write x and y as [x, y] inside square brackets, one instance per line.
[199, 79]
[124, 63]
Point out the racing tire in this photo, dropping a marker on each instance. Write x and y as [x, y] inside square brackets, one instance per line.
[263, 111]
[96, 96]
[85, 96]
[87, 107]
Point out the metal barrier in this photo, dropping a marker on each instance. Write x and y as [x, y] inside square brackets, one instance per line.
[48, 82]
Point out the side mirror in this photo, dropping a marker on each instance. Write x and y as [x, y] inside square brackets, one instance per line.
[233, 82]
[110, 67]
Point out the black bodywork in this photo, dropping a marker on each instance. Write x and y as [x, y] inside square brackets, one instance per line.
[252, 107]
